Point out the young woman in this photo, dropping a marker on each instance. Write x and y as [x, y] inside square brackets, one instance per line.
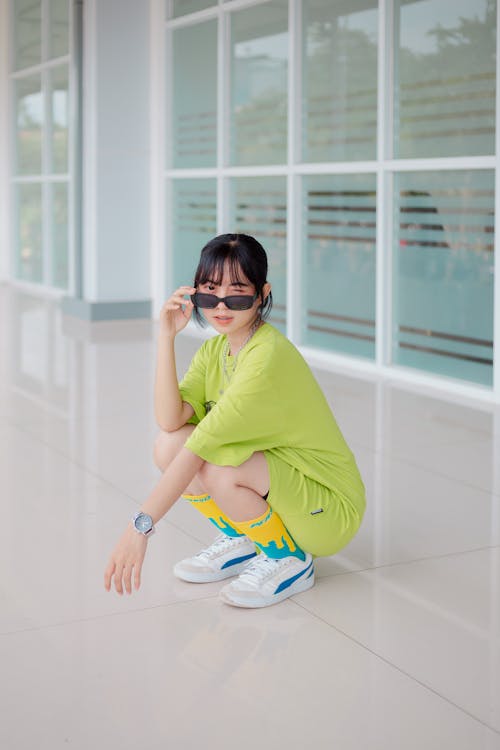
[247, 438]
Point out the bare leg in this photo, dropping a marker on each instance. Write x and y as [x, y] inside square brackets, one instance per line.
[167, 446]
[238, 489]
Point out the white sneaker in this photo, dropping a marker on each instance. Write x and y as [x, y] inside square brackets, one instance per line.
[227, 556]
[267, 581]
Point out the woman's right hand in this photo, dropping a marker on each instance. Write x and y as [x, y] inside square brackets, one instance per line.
[176, 312]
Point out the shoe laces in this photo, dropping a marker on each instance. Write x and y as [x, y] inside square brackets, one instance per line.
[262, 567]
[220, 544]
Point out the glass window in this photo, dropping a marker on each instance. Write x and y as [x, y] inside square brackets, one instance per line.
[59, 97]
[445, 78]
[443, 273]
[339, 263]
[59, 28]
[194, 222]
[29, 232]
[176, 8]
[259, 64]
[258, 208]
[339, 80]
[59, 203]
[27, 17]
[194, 106]
[41, 139]
[29, 125]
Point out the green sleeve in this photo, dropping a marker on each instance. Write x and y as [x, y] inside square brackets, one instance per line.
[250, 416]
[192, 386]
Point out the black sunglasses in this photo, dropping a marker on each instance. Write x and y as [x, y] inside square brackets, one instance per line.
[234, 302]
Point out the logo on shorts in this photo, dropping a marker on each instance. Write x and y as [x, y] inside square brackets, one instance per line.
[315, 512]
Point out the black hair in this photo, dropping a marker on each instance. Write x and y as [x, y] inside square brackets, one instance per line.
[244, 255]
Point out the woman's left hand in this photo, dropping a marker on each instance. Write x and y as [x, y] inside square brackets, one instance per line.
[126, 560]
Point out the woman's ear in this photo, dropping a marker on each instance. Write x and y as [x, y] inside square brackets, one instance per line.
[266, 289]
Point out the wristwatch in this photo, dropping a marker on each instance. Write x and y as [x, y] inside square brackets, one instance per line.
[143, 523]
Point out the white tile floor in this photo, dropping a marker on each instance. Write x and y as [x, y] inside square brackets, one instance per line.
[396, 647]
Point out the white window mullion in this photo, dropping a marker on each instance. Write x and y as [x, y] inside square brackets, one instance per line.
[294, 81]
[34, 69]
[5, 150]
[191, 19]
[48, 234]
[383, 265]
[231, 5]
[46, 164]
[90, 183]
[74, 161]
[295, 279]
[223, 117]
[44, 78]
[440, 163]
[496, 262]
[161, 139]
[294, 309]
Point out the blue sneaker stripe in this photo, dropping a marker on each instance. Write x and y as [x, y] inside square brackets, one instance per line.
[310, 574]
[285, 584]
[237, 560]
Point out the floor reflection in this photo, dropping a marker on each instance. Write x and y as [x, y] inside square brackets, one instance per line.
[415, 598]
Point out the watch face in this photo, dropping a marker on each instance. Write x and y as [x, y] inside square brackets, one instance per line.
[143, 523]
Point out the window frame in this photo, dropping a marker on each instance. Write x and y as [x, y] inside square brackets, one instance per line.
[384, 168]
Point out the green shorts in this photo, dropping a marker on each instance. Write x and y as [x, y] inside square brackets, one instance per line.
[320, 520]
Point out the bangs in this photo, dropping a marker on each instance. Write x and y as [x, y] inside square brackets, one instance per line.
[212, 266]
[245, 260]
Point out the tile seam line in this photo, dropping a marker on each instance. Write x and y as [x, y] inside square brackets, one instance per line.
[102, 479]
[165, 519]
[96, 618]
[409, 562]
[398, 669]
[71, 460]
[389, 454]
[409, 462]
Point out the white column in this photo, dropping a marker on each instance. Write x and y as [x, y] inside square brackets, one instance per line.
[116, 274]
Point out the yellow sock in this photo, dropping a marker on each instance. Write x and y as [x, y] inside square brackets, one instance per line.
[269, 533]
[209, 508]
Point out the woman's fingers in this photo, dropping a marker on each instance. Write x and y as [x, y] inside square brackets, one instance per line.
[108, 574]
[180, 294]
[137, 576]
[176, 304]
[126, 561]
[179, 299]
[127, 578]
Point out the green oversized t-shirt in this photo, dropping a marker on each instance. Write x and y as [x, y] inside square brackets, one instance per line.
[272, 403]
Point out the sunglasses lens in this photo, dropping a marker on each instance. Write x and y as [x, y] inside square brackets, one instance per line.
[210, 301]
[240, 302]
[205, 301]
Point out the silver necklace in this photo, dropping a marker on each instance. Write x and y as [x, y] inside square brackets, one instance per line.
[226, 375]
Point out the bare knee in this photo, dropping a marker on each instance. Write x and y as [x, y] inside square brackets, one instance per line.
[168, 444]
[163, 452]
[216, 478]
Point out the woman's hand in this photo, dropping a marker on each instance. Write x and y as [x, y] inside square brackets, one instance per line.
[126, 559]
[176, 312]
